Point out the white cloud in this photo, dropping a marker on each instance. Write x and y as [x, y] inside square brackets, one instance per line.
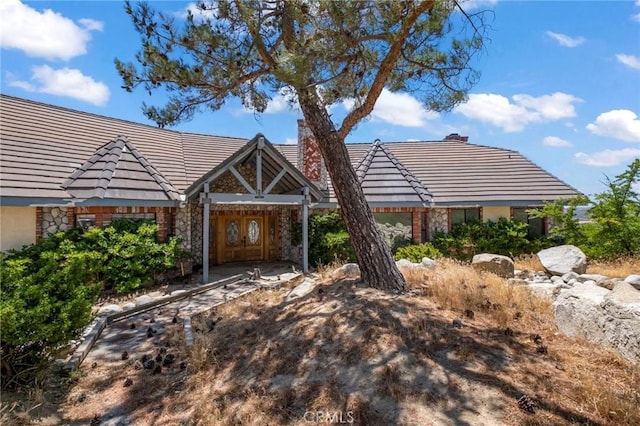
[620, 124]
[565, 40]
[608, 157]
[629, 60]
[401, 109]
[525, 109]
[45, 34]
[64, 82]
[636, 17]
[477, 4]
[196, 12]
[557, 142]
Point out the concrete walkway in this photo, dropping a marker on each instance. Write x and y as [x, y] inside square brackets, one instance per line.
[135, 326]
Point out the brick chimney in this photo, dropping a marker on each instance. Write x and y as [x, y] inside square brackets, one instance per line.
[456, 137]
[310, 160]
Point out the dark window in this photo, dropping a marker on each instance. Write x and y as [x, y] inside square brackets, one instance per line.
[423, 230]
[395, 228]
[536, 225]
[464, 215]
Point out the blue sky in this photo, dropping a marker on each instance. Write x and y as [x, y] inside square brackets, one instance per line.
[560, 82]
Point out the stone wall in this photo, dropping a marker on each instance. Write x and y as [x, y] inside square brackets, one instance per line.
[196, 213]
[310, 160]
[438, 221]
[183, 227]
[56, 219]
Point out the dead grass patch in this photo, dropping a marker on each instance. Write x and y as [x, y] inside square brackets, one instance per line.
[615, 268]
[380, 359]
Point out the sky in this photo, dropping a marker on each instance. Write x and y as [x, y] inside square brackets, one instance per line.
[560, 82]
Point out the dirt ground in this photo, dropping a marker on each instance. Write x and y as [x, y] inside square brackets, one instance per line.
[344, 353]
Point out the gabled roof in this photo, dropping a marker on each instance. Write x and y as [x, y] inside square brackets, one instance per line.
[119, 171]
[272, 163]
[385, 180]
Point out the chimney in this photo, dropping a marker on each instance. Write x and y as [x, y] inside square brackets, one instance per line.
[310, 160]
[456, 137]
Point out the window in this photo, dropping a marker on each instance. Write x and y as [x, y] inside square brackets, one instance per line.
[395, 228]
[464, 215]
[423, 227]
[536, 225]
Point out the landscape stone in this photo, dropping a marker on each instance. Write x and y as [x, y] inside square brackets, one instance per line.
[517, 281]
[608, 284]
[590, 282]
[301, 290]
[109, 310]
[556, 278]
[634, 280]
[143, 300]
[428, 263]
[610, 318]
[591, 277]
[405, 263]
[562, 259]
[569, 276]
[128, 306]
[494, 263]
[349, 270]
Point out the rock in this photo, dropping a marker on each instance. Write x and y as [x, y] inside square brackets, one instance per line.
[555, 278]
[589, 282]
[591, 277]
[562, 259]
[569, 276]
[428, 263]
[350, 270]
[177, 292]
[143, 300]
[544, 290]
[109, 310]
[517, 281]
[128, 306]
[610, 318]
[608, 284]
[494, 263]
[404, 263]
[301, 290]
[634, 280]
[525, 275]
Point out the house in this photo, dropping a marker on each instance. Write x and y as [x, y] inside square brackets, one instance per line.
[232, 199]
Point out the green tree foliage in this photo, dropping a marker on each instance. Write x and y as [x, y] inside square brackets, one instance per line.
[48, 289]
[506, 237]
[615, 218]
[328, 239]
[416, 252]
[321, 53]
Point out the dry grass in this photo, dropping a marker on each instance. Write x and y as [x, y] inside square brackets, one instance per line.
[460, 348]
[620, 267]
[613, 268]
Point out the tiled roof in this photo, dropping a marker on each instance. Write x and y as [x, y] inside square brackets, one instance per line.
[119, 171]
[42, 145]
[384, 179]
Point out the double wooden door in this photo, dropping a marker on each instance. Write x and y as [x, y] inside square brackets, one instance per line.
[244, 238]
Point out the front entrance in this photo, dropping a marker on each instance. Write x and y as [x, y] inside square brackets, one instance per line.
[239, 238]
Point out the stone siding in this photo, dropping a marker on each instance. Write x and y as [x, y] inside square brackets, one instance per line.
[183, 227]
[56, 219]
[310, 159]
[438, 221]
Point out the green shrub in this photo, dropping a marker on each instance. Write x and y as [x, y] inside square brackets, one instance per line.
[328, 239]
[416, 252]
[506, 237]
[48, 289]
[615, 218]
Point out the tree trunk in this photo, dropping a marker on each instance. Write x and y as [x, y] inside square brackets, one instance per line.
[377, 267]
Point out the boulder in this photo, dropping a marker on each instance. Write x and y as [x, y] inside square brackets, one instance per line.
[143, 300]
[301, 290]
[634, 280]
[569, 276]
[591, 277]
[405, 263]
[610, 318]
[562, 259]
[494, 263]
[428, 263]
[348, 270]
[109, 310]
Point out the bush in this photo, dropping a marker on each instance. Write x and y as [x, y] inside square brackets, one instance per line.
[615, 214]
[416, 252]
[505, 237]
[328, 239]
[48, 289]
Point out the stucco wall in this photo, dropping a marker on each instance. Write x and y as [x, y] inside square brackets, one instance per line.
[17, 227]
[494, 213]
